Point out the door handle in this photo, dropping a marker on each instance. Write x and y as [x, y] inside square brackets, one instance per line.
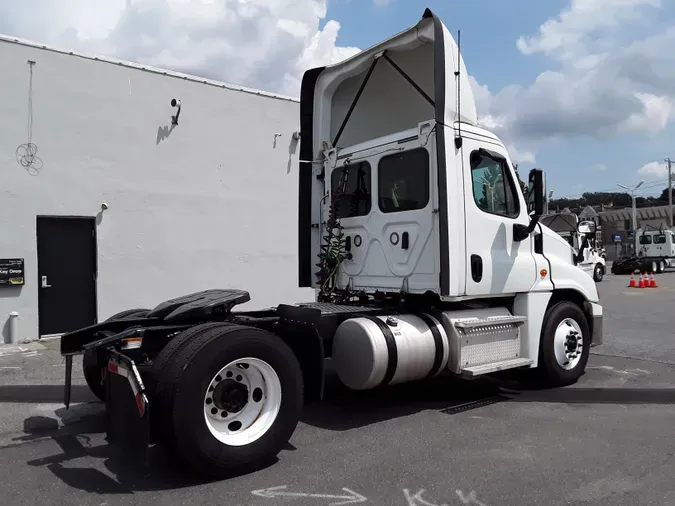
[44, 282]
[476, 268]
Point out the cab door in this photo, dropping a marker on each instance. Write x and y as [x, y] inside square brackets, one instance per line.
[496, 263]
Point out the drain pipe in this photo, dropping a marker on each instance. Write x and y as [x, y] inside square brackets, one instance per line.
[13, 327]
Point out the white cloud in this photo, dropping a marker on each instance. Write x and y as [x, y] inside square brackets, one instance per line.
[600, 83]
[569, 34]
[654, 116]
[517, 156]
[490, 117]
[596, 86]
[265, 44]
[381, 3]
[654, 170]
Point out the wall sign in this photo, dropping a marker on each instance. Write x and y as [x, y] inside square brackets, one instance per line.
[11, 271]
[616, 237]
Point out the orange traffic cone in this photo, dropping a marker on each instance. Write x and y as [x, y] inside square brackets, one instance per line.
[632, 283]
[642, 281]
[652, 282]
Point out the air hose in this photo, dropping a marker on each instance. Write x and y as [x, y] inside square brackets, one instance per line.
[333, 248]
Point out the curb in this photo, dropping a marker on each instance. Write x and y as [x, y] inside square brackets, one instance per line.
[30, 341]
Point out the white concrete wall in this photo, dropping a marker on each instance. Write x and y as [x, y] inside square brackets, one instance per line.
[210, 203]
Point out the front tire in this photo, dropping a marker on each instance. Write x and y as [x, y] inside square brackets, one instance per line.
[236, 395]
[598, 273]
[92, 366]
[565, 344]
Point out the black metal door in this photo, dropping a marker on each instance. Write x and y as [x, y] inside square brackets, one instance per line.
[66, 252]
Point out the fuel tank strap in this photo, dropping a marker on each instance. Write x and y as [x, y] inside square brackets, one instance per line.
[392, 362]
[438, 342]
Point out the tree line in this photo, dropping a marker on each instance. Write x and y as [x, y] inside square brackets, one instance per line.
[614, 199]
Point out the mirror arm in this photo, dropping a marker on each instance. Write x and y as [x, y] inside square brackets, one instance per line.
[580, 255]
[522, 232]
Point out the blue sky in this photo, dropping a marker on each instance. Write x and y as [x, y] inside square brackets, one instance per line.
[584, 89]
[490, 31]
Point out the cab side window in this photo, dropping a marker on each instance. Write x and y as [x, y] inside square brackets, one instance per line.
[645, 239]
[660, 239]
[403, 181]
[494, 190]
[356, 199]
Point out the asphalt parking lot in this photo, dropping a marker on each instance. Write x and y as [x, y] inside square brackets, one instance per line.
[607, 440]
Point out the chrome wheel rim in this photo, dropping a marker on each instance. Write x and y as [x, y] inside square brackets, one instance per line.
[242, 401]
[568, 344]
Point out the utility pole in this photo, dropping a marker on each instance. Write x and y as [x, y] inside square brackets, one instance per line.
[550, 195]
[670, 191]
[632, 194]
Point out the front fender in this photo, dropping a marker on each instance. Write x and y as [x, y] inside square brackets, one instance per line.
[595, 320]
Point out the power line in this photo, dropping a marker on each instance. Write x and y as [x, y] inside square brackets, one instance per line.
[670, 192]
[651, 184]
[609, 190]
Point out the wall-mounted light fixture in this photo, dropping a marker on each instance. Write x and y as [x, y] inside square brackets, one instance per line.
[104, 206]
[175, 103]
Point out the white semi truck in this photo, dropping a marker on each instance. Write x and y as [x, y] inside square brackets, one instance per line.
[426, 259]
[588, 253]
[657, 247]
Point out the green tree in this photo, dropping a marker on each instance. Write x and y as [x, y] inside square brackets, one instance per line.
[523, 185]
[614, 199]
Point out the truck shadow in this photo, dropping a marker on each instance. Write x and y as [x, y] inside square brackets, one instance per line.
[344, 409]
[112, 470]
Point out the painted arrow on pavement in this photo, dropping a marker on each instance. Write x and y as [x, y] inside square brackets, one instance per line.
[272, 492]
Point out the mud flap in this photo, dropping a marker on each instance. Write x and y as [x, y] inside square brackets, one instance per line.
[127, 407]
[68, 382]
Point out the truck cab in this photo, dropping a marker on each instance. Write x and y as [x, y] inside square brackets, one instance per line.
[405, 196]
[587, 253]
[658, 246]
[395, 162]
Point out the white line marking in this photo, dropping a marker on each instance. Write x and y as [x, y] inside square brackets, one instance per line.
[272, 492]
[470, 498]
[416, 500]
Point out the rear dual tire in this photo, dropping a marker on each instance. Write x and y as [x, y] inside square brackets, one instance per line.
[229, 398]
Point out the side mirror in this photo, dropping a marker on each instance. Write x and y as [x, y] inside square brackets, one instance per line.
[586, 227]
[535, 193]
[535, 205]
